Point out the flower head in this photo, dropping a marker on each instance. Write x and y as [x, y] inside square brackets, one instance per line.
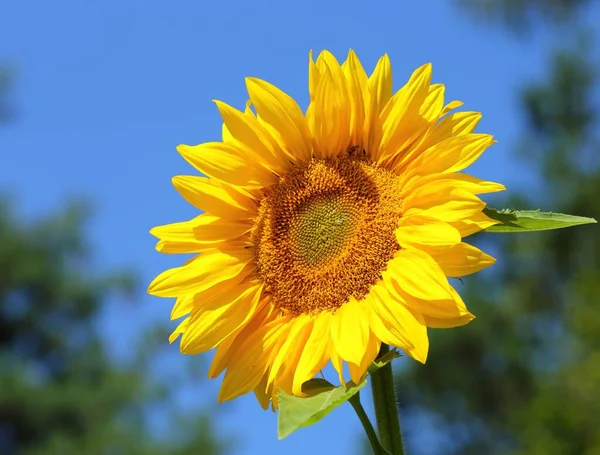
[325, 233]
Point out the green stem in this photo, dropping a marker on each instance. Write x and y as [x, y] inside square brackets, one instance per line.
[386, 410]
[366, 423]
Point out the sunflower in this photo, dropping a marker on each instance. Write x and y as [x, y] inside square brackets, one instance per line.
[327, 233]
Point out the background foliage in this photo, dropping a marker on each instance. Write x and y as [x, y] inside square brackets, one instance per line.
[60, 391]
[524, 378]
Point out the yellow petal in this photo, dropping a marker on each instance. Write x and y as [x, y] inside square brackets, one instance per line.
[247, 130]
[207, 270]
[395, 325]
[421, 128]
[460, 260]
[215, 198]
[358, 90]
[450, 126]
[221, 358]
[446, 182]
[379, 94]
[226, 135]
[216, 229]
[179, 330]
[358, 372]
[451, 106]
[473, 224]
[285, 379]
[220, 317]
[330, 117]
[183, 305]
[315, 352]
[417, 274]
[286, 156]
[178, 232]
[419, 230]
[313, 76]
[246, 371]
[229, 162]
[421, 124]
[380, 84]
[230, 345]
[443, 202]
[338, 365]
[416, 279]
[296, 326]
[350, 331]
[179, 237]
[474, 185]
[452, 155]
[281, 112]
[451, 321]
[402, 120]
[199, 234]
[448, 323]
[453, 125]
[261, 391]
[434, 101]
[204, 297]
[243, 129]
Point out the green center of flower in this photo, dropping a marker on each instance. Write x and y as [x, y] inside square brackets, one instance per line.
[321, 228]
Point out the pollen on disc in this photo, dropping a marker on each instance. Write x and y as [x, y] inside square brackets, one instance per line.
[325, 233]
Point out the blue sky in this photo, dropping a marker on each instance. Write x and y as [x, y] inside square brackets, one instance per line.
[106, 90]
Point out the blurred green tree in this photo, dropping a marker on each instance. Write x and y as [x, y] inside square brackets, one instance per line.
[60, 391]
[6, 77]
[524, 378]
[520, 15]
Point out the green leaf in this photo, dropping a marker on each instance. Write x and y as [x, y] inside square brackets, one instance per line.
[324, 397]
[384, 360]
[532, 220]
[316, 386]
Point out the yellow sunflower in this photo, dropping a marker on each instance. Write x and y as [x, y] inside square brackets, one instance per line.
[325, 233]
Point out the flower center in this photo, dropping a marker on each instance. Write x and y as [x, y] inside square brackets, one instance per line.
[325, 233]
[321, 228]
